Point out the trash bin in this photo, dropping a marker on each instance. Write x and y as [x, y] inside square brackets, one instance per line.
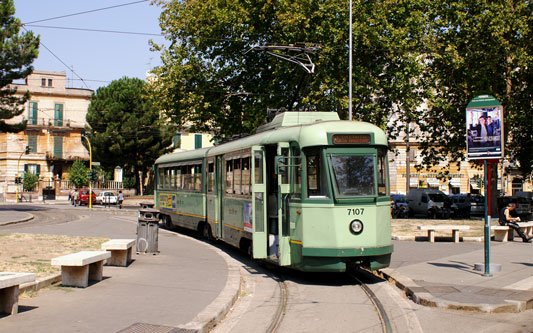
[147, 231]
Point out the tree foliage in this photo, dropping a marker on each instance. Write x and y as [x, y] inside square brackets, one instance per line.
[213, 79]
[125, 127]
[30, 181]
[478, 47]
[17, 52]
[78, 174]
[414, 61]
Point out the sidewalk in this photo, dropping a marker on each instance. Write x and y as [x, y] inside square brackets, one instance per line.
[442, 275]
[188, 286]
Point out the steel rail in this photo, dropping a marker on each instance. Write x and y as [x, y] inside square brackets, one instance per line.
[383, 317]
[282, 306]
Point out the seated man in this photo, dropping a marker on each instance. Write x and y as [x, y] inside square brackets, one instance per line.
[507, 219]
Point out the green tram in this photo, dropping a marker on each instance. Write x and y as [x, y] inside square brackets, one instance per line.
[307, 191]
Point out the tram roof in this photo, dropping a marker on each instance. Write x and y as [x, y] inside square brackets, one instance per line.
[314, 132]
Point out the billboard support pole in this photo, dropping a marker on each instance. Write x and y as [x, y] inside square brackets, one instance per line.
[487, 219]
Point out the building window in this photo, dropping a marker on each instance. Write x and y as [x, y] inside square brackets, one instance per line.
[32, 168]
[32, 143]
[58, 147]
[197, 141]
[49, 82]
[43, 82]
[32, 113]
[176, 141]
[58, 115]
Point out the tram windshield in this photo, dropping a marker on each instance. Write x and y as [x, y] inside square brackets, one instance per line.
[353, 174]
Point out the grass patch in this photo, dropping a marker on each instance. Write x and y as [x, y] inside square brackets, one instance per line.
[32, 253]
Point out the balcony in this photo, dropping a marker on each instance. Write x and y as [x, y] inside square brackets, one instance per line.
[51, 123]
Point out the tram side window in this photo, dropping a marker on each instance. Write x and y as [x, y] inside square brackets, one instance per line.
[161, 182]
[167, 178]
[316, 180]
[383, 172]
[229, 176]
[245, 163]
[296, 174]
[211, 177]
[237, 176]
[258, 167]
[197, 173]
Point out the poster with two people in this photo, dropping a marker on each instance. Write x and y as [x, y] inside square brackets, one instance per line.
[484, 127]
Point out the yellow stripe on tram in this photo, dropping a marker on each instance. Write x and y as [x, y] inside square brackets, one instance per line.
[296, 241]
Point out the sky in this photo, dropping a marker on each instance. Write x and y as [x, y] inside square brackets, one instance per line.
[96, 57]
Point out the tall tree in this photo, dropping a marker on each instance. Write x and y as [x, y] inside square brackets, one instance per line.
[478, 47]
[212, 78]
[17, 52]
[125, 127]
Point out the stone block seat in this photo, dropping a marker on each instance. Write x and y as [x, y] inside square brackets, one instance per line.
[9, 290]
[502, 234]
[120, 250]
[78, 268]
[454, 228]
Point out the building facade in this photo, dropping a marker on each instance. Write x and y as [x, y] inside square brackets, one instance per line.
[450, 178]
[55, 118]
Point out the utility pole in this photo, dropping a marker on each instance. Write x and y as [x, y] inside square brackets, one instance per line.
[407, 160]
[350, 67]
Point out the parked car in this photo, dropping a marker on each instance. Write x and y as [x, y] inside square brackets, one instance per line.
[430, 202]
[84, 197]
[399, 208]
[106, 197]
[528, 196]
[477, 204]
[523, 209]
[463, 203]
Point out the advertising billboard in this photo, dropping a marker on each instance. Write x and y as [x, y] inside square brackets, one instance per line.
[484, 128]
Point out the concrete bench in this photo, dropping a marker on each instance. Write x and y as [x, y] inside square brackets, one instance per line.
[120, 249]
[502, 234]
[9, 290]
[78, 268]
[454, 228]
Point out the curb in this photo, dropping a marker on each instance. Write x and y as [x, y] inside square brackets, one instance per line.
[409, 287]
[40, 283]
[25, 219]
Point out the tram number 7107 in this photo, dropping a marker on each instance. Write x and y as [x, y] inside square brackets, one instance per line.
[355, 211]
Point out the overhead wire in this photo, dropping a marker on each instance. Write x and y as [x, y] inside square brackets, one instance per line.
[73, 72]
[95, 30]
[85, 12]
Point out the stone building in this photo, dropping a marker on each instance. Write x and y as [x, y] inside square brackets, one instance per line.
[56, 119]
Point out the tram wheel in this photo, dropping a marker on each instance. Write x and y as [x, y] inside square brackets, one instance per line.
[206, 231]
[167, 222]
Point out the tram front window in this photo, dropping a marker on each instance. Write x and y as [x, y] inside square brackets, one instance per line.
[353, 174]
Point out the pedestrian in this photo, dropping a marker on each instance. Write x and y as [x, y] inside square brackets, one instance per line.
[508, 220]
[76, 197]
[120, 199]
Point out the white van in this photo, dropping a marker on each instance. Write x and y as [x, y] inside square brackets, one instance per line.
[428, 202]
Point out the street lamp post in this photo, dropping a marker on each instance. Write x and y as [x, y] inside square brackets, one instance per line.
[25, 152]
[90, 172]
[350, 67]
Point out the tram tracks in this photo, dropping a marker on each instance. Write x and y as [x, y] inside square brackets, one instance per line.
[284, 297]
[383, 317]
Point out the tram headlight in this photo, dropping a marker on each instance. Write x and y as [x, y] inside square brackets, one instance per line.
[356, 227]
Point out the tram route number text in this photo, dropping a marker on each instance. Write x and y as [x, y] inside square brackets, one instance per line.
[355, 211]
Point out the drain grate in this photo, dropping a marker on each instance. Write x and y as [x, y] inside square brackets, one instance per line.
[150, 328]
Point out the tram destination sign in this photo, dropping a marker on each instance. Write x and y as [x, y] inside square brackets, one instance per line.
[484, 128]
[347, 139]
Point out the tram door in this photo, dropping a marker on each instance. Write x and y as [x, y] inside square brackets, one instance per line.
[259, 207]
[283, 169]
